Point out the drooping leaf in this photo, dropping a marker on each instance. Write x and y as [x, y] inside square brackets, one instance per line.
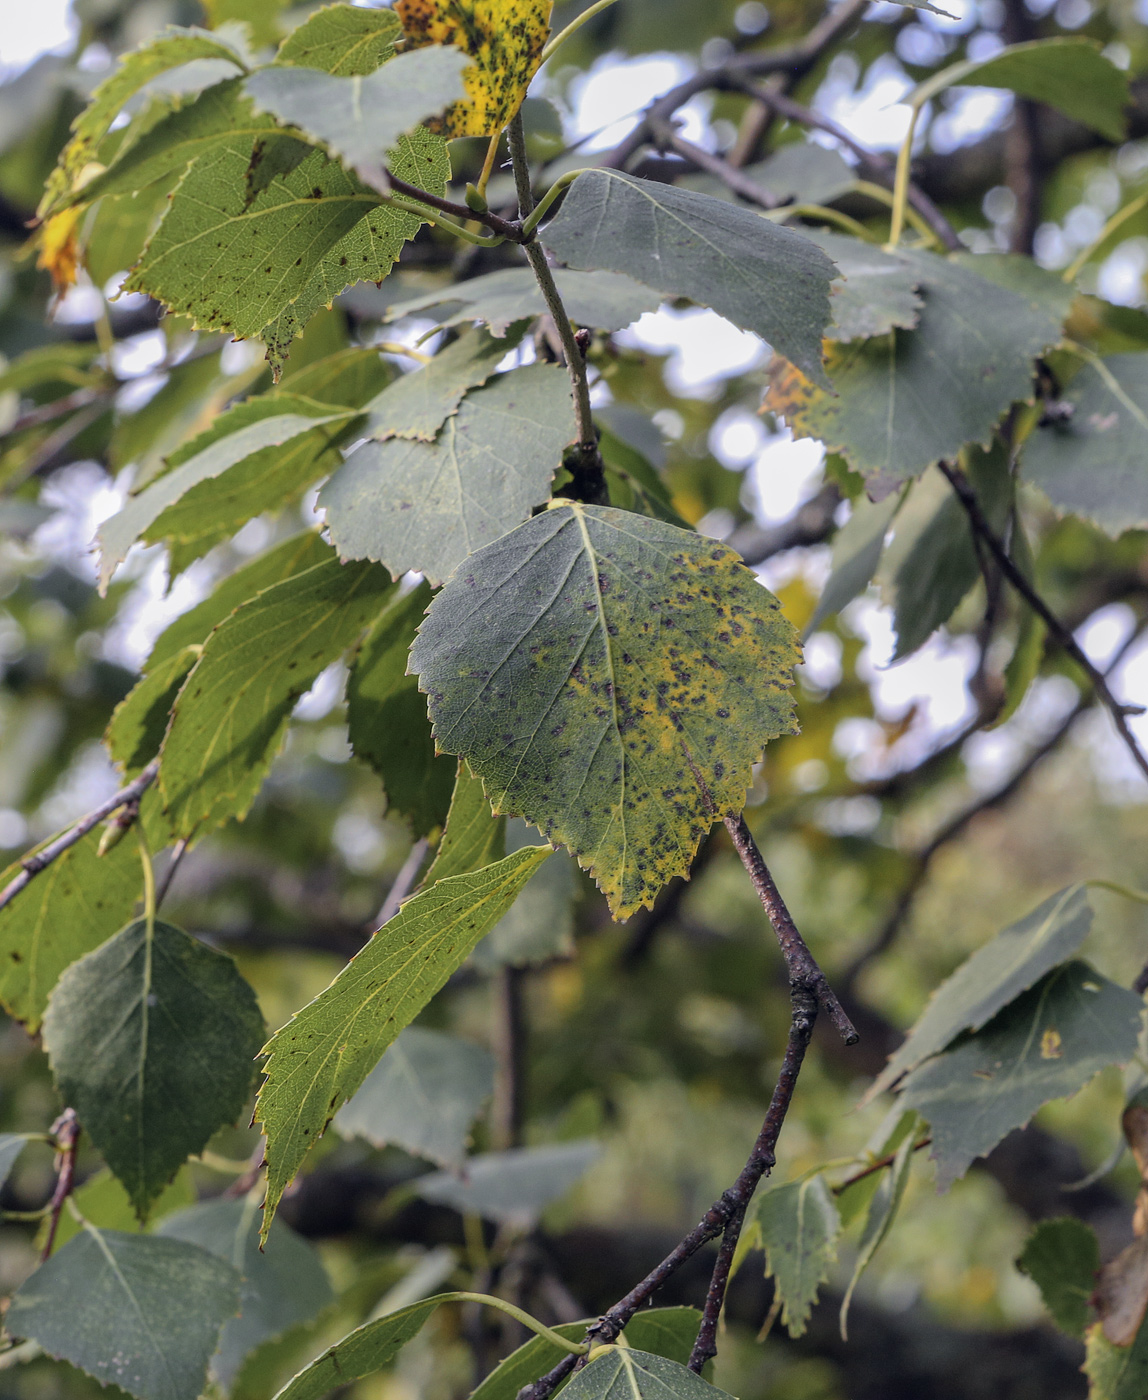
[293, 556]
[511, 1187]
[992, 977]
[323, 1054]
[360, 118]
[910, 398]
[878, 291]
[762, 277]
[177, 1029]
[346, 40]
[474, 837]
[1116, 1373]
[426, 506]
[387, 718]
[882, 1212]
[254, 430]
[68, 909]
[603, 300]
[857, 549]
[800, 1227]
[284, 1283]
[230, 716]
[1094, 464]
[1062, 1257]
[418, 404]
[171, 49]
[366, 1350]
[624, 1373]
[139, 722]
[1045, 1045]
[611, 679]
[504, 38]
[540, 923]
[1071, 75]
[424, 1095]
[131, 1310]
[668, 1332]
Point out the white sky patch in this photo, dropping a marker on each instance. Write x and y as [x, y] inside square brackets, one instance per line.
[705, 348]
[785, 474]
[28, 31]
[973, 112]
[607, 99]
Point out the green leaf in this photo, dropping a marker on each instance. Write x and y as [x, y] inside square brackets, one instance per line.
[424, 1095]
[360, 118]
[665, 1331]
[762, 277]
[800, 171]
[284, 1283]
[1062, 1258]
[882, 1212]
[993, 976]
[879, 291]
[474, 837]
[418, 404]
[612, 679]
[426, 506]
[857, 549]
[387, 718]
[1071, 75]
[293, 556]
[177, 1029]
[1116, 1373]
[799, 1230]
[540, 923]
[131, 1310]
[623, 1373]
[1046, 1045]
[908, 399]
[366, 1350]
[1094, 465]
[11, 1145]
[144, 439]
[319, 1059]
[932, 562]
[231, 715]
[139, 722]
[68, 909]
[603, 300]
[342, 39]
[103, 1200]
[317, 228]
[172, 49]
[256, 428]
[511, 1187]
[66, 366]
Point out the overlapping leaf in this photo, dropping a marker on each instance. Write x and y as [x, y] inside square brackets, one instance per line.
[474, 836]
[177, 1029]
[426, 506]
[230, 717]
[603, 300]
[624, 1373]
[284, 1283]
[799, 1230]
[540, 924]
[504, 38]
[907, 399]
[346, 40]
[1062, 1258]
[134, 1311]
[612, 679]
[511, 1187]
[366, 1350]
[878, 292]
[857, 549]
[1046, 1045]
[762, 277]
[418, 404]
[323, 1054]
[883, 1210]
[424, 1095]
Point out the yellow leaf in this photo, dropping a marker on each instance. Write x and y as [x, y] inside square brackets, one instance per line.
[1051, 1045]
[60, 248]
[506, 39]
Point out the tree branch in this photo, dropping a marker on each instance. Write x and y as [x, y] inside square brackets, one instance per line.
[66, 1131]
[1056, 629]
[42, 859]
[706, 1345]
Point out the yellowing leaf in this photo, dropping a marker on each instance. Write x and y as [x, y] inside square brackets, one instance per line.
[505, 38]
[60, 248]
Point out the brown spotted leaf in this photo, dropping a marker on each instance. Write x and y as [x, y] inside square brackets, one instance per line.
[504, 37]
[612, 679]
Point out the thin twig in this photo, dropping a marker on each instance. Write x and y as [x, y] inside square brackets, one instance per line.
[403, 882]
[1056, 629]
[179, 850]
[878, 1166]
[509, 230]
[728, 174]
[66, 1131]
[732, 1202]
[801, 964]
[58, 408]
[705, 1346]
[42, 859]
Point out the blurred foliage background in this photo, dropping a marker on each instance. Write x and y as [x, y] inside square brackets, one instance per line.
[660, 1038]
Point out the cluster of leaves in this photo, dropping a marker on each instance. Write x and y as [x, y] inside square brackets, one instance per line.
[593, 667]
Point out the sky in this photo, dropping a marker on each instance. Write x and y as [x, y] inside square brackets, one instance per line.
[704, 348]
